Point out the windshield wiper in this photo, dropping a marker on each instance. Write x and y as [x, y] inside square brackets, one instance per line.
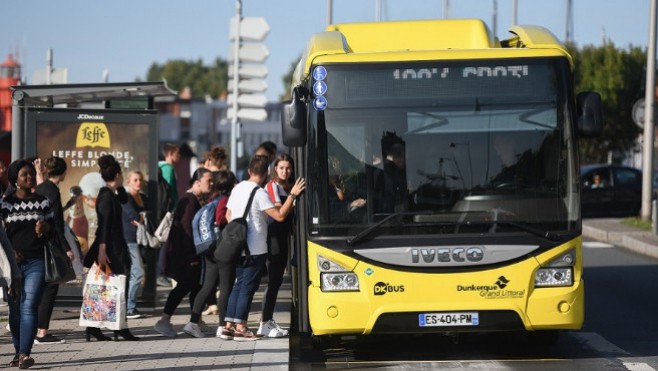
[366, 232]
[524, 227]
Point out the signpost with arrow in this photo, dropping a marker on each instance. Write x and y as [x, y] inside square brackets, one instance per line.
[246, 75]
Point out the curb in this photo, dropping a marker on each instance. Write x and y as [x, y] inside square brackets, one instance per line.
[613, 232]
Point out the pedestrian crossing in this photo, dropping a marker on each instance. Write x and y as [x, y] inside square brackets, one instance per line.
[597, 245]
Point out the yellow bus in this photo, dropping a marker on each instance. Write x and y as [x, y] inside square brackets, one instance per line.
[442, 172]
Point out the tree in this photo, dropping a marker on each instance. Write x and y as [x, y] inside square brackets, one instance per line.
[287, 80]
[202, 80]
[618, 75]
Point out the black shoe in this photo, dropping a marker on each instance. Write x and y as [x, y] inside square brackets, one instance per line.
[14, 362]
[133, 314]
[25, 361]
[97, 333]
[48, 339]
[125, 334]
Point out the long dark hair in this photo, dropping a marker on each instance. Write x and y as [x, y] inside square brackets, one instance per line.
[286, 183]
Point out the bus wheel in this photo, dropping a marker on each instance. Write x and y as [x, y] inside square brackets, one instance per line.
[544, 337]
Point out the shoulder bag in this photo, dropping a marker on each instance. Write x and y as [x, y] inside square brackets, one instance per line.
[58, 266]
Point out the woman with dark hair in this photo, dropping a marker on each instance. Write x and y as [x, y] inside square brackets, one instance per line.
[225, 183]
[278, 237]
[181, 261]
[109, 248]
[28, 219]
[55, 172]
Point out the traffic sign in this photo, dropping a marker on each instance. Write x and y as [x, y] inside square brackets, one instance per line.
[249, 100]
[250, 71]
[638, 113]
[252, 52]
[248, 114]
[249, 85]
[251, 28]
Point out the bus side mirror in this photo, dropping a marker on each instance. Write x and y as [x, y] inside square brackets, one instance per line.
[293, 120]
[590, 114]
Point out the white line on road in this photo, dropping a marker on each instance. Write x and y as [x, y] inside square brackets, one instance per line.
[635, 366]
[597, 245]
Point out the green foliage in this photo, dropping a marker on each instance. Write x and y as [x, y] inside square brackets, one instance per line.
[618, 75]
[287, 80]
[211, 80]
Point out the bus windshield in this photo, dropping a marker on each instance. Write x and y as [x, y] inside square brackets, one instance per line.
[462, 150]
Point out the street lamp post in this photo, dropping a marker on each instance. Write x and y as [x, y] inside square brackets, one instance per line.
[649, 99]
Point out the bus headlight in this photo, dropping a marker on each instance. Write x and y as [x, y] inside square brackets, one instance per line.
[339, 282]
[558, 272]
[335, 277]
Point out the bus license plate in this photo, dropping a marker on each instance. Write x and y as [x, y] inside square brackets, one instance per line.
[448, 319]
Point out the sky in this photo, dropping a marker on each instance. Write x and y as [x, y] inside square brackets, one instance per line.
[125, 37]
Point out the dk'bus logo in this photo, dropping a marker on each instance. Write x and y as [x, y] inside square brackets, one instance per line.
[382, 288]
[93, 134]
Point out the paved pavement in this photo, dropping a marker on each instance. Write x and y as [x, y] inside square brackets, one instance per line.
[614, 232]
[155, 352]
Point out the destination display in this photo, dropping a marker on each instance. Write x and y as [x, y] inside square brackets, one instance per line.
[422, 83]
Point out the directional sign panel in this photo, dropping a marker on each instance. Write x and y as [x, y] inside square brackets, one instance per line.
[249, 100]
[249, 85]
[251, 28]
[248, 114]
[250, 71]
[252, 53]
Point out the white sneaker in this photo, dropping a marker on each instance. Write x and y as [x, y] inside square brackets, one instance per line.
[165, 328]
[269, 329]
[193, 329]
[284, 332]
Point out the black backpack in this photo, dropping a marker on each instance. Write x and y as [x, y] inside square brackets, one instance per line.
[234, 237]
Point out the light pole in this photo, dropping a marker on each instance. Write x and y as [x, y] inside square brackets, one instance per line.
[649, 99]
[235, 124]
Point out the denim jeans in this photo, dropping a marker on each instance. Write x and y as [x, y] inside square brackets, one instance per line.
[23, 314]
[136, 275]
[246, 284]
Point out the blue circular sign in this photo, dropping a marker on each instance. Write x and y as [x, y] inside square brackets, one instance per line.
[319, 73]
[319, 88]
[320, 103]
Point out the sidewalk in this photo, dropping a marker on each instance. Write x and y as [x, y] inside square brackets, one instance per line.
[155, 352]
[614, 232]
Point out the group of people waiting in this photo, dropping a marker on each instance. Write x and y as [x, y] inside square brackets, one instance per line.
[269, 227]
[31, 211]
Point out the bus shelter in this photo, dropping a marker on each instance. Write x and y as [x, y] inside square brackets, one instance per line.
[80, 123]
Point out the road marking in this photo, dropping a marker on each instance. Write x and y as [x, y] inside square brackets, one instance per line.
[597, 245]
[598, 343]
[634, 366]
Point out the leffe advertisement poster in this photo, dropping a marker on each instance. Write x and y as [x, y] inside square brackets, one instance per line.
[81, 141]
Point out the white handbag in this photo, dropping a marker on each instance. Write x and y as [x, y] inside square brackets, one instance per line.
[162, 232]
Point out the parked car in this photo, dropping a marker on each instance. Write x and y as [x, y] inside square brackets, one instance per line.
[610, 190]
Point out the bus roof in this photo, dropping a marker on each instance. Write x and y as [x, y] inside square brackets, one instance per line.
[386, 41]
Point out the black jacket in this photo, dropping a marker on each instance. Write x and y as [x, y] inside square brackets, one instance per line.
[50, 190]
[110, 231]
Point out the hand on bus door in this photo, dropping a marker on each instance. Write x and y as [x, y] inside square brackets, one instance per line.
[298, 188]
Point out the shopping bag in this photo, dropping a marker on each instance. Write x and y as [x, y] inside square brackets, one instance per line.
[103, 300]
